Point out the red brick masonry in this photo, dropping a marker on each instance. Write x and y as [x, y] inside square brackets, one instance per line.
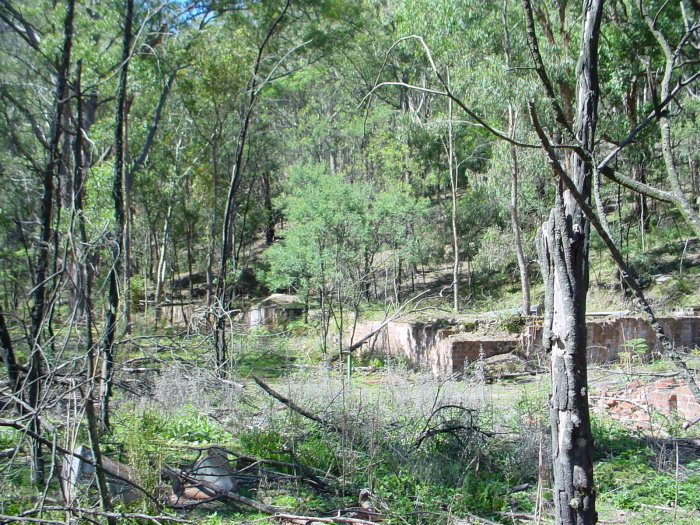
[637, 401]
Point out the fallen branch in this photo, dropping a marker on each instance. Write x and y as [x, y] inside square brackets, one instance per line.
[10, 519]
[473, 518]
[8, 452]
[689, 424]
[94, 512]
[517, 515]
[214, 492]
[296, 408]
[519, 374]
[311, 520]
[280, 464]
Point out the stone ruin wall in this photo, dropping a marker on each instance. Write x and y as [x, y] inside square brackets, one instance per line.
[636, 401]
[444, 351]
[417, 342]
[607, 336]
[431, 346]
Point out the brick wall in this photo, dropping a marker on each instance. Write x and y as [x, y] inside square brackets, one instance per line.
[606, 337]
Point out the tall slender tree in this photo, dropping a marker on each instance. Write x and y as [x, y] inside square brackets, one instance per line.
[110, 322]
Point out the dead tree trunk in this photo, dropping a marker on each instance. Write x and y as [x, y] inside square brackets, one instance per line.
[563, 243]
[40, 306]
[110, 325]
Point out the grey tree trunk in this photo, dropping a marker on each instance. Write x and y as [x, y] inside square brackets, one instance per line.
[453, 193]
[671, 56]
[515, 218]
[563, 243]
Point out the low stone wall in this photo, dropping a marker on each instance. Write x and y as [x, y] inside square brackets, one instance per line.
[417, 342]
[607, 337]
[442, 350]
[461, 350]
[433, 346]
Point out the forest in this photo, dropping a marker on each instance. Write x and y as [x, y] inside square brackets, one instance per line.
[349, 261]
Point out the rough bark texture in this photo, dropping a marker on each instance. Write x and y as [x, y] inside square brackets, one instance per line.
[626, 273]
[563, 251]
[120, 222]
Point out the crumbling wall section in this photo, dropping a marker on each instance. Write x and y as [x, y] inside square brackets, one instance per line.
[445, 350]
[433, 346]
[607, 337]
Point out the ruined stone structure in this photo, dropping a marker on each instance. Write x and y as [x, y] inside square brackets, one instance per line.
[638, 401]
[434, 346]
[276, 310]
[607, 337]
[444, 349]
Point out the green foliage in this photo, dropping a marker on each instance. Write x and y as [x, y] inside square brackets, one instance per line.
[513, 324]
[409, 495]
[145, 431]
[336, 227]
[650, 486]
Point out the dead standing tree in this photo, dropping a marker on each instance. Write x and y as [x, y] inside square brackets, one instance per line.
[40, 308]
[563, 245]
[110, 321]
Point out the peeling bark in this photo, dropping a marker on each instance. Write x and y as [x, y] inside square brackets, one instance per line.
[563, 244]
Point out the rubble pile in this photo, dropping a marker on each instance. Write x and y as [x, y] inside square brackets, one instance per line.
[637, 402]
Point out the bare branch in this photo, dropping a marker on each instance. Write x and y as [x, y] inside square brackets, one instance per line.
[448, 93]
[615, 253]
[539, 67]
[653, 115]
[296, 408]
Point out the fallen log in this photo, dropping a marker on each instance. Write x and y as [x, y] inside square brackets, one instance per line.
[312, 520]
[214, 492]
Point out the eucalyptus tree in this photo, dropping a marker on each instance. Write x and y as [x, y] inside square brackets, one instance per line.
[468, 46]
[654, 41]
[279, 38]
[563, 245]
[334, 225]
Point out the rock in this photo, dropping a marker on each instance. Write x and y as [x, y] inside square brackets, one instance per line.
[76, 473]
